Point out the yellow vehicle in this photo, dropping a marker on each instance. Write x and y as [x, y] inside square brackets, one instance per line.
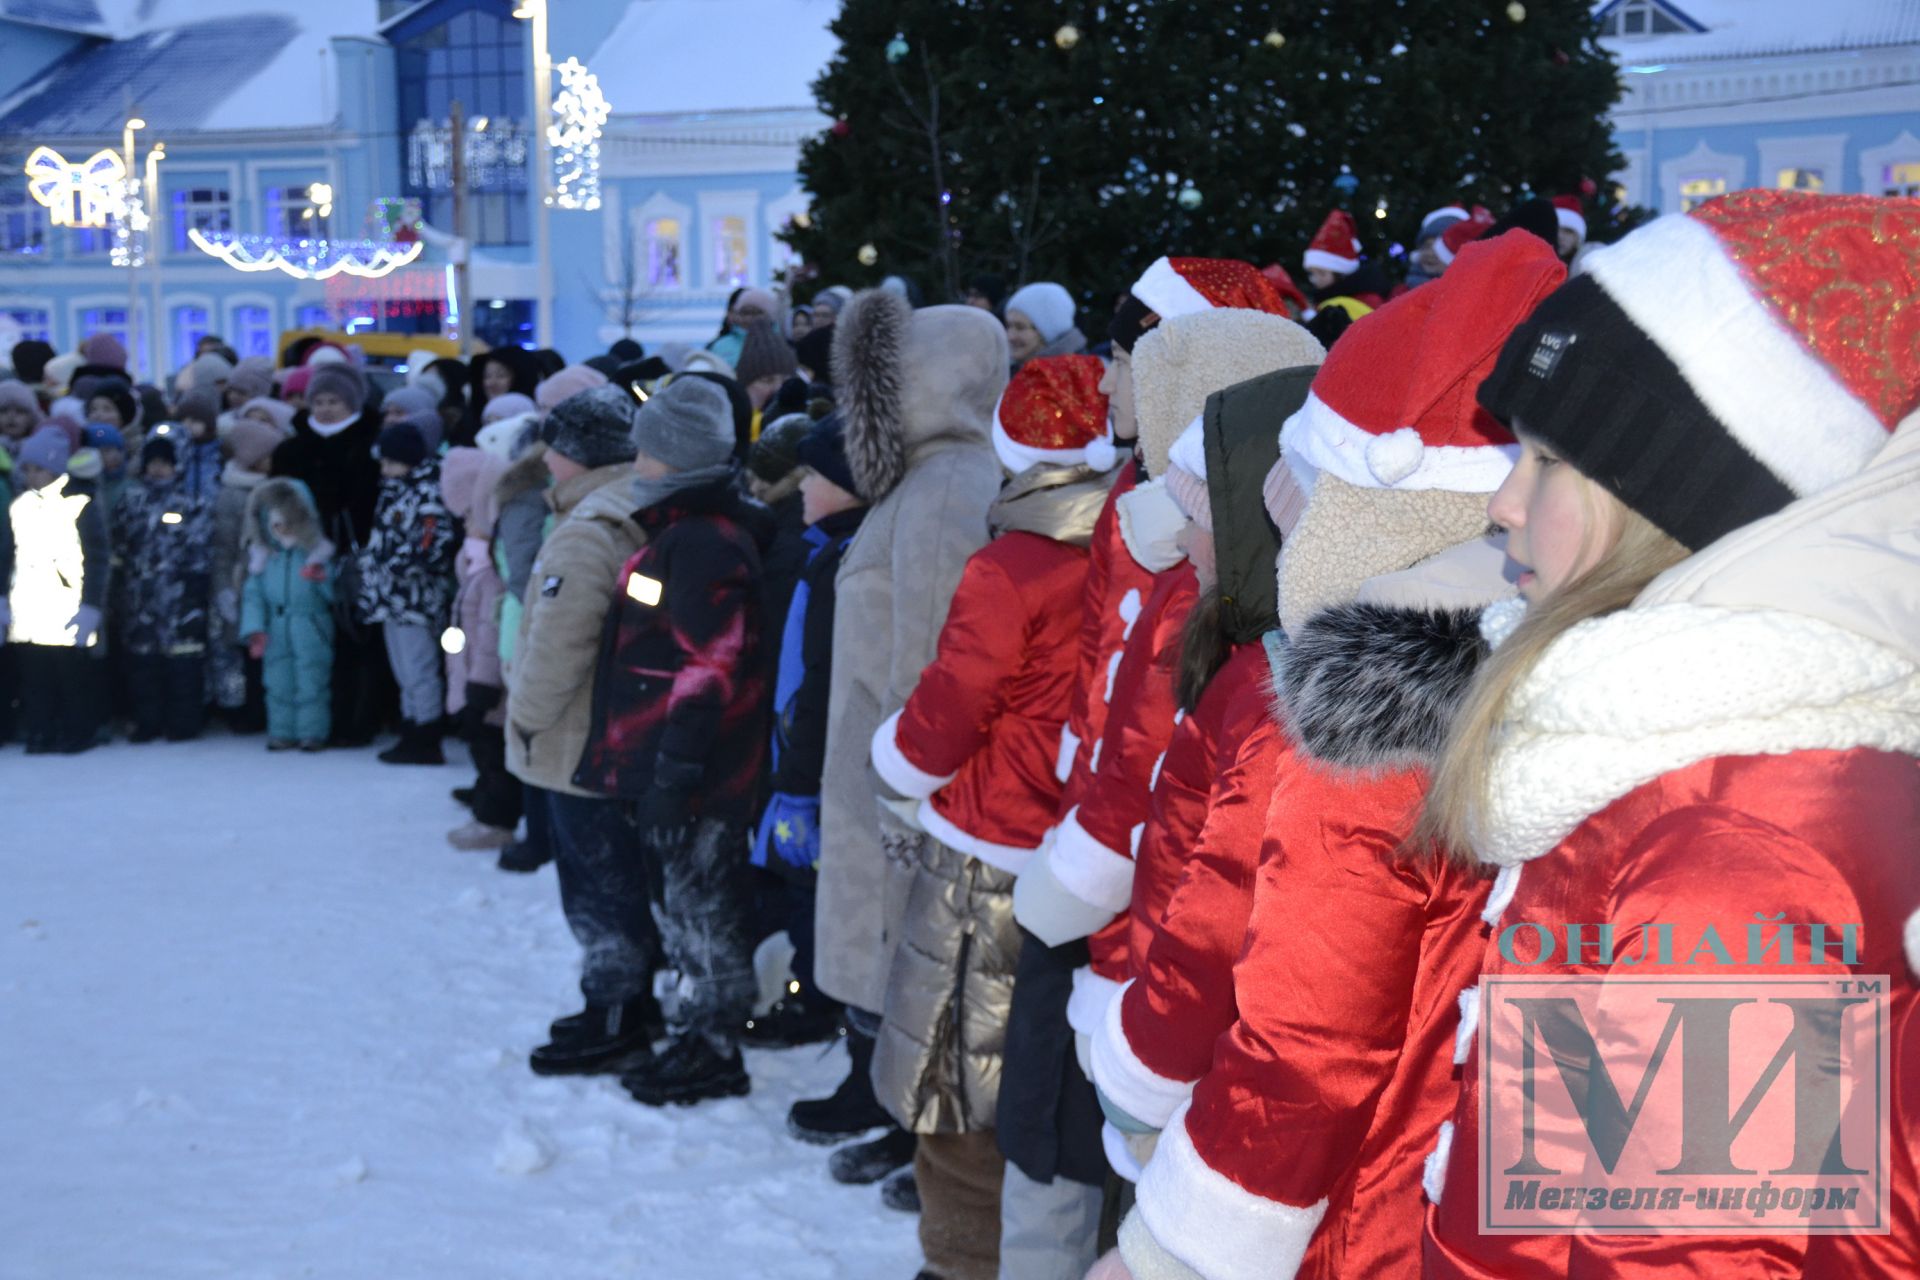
[383, 350]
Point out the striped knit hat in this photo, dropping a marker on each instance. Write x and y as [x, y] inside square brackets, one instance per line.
[1714, 366]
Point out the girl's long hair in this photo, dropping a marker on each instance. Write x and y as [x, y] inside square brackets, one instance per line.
[1456, 800]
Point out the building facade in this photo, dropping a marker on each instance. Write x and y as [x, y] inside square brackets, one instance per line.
[1722, 95]
[304, 125]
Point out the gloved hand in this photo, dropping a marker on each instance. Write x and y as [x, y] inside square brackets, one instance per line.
[664, 817]
[257, 645]
[85, 626]
[474, 558]
[313, 572]
[6, 616]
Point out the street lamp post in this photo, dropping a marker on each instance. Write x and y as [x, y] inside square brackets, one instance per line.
[127, 207]
[536, 12]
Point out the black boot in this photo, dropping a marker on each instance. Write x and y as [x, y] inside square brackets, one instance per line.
[901, 1192]
[604, 1038]
[419, 744]
[523, 856]
[850, 1111]
[864, 1162]
[688, 1070]
[792, 1021]
[464, 795]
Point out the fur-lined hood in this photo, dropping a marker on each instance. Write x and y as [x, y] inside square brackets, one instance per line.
[1180, 362]
[469, 481]
[1373, 686]
[290, 500]
[909, 381]
[527, 474]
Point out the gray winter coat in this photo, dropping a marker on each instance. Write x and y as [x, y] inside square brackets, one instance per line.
[917, 390]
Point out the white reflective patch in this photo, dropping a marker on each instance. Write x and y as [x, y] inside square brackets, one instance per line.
[644, 590]
[171, 517]
[453, 640]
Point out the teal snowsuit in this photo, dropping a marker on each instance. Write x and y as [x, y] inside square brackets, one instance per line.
[294, 611]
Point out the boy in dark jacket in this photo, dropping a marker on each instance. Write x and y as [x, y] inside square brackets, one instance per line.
[788, 842]
[406, 582]
[201, 457]
[53, 594]
[163, 542]
[679, 728]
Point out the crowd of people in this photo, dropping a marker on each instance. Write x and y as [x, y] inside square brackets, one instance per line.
[1146, 747]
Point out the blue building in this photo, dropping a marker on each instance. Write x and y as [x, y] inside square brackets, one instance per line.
[295, 124]
[1728, 94]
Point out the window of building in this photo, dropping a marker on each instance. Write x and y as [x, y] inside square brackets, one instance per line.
[23, 223]
[1801, 180]
[206, 209]
[292, 213]
[89, 240]
[1697, 191]
[253, 331]
[1901, 179]
[504, 322]
[190, 324]
[663, 253]
[1640, 18]
[18, 324]
[479, 59]
[312, 315]
[729, 251]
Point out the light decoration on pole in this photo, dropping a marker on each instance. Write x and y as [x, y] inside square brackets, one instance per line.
[580, 112]
[77, 195]
[306, 259]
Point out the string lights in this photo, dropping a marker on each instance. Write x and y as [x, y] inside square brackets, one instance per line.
[77, 195]
[307, 259]
[580, 112]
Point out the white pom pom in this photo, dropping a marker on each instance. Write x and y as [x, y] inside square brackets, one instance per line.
[1395, 456]
[1913, 942]
[1101, 455]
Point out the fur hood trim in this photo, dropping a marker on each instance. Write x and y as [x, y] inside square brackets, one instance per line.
[1369, 686]
[293, 503]
[1620, 700]
[1182, 361]
[527, 474]
[909, 380]
[870, 382]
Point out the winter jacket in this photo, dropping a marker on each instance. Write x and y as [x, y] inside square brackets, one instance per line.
[406, 567]
[6, 525]
[1117, 587]
[61, 561]
[1737, 746]
[162, 548]
[467, 485]
[341, 472]
[976, 745]
[523, 522]
[918, 389]
[1070, 343]
[201, 463]
[288, 597]
[788, 553]
[1308, 1132]
[571, 589]
[680, 693]
[227, 575]
[789, 835]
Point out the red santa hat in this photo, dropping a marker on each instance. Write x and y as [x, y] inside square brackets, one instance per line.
[1394, 406]
[1460, 234]
[1336, 245]
[1568, 211]
[1716, 365]
[1053, 412]
[1283, 284]
[1174, 287]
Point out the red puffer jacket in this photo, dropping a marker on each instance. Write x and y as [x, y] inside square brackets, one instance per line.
[1306, 1138]
[1115, 592]
[978, 740]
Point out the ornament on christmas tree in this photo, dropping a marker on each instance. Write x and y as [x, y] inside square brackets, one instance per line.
[868, 255]
[1346, 184]
[1067, 36]
[1274, 40]
[802, 220]
[1516, 12]
[1588, 187]
[897, 48]
[1190, 198]
[841, 128]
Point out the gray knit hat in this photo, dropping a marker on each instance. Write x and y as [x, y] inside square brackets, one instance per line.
[593, 427]
[688, 424]
[340, 379]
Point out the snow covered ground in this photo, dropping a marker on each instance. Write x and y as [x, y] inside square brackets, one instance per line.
[258, 1020]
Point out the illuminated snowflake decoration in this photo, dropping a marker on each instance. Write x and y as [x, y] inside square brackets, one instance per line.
[307, 259]
[580, 112]
[77, 195]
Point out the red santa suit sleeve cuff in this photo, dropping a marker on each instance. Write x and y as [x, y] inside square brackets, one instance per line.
[891, 763]
[1127, 1082]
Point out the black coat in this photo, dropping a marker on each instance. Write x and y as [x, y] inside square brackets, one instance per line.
[800, 724]
[340, 470]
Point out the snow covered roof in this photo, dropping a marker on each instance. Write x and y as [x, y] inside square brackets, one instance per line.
[674, 56]
[1763, 28]
[188, 66]
[63, 15]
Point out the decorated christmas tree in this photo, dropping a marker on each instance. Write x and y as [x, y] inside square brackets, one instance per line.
[1075, 142]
